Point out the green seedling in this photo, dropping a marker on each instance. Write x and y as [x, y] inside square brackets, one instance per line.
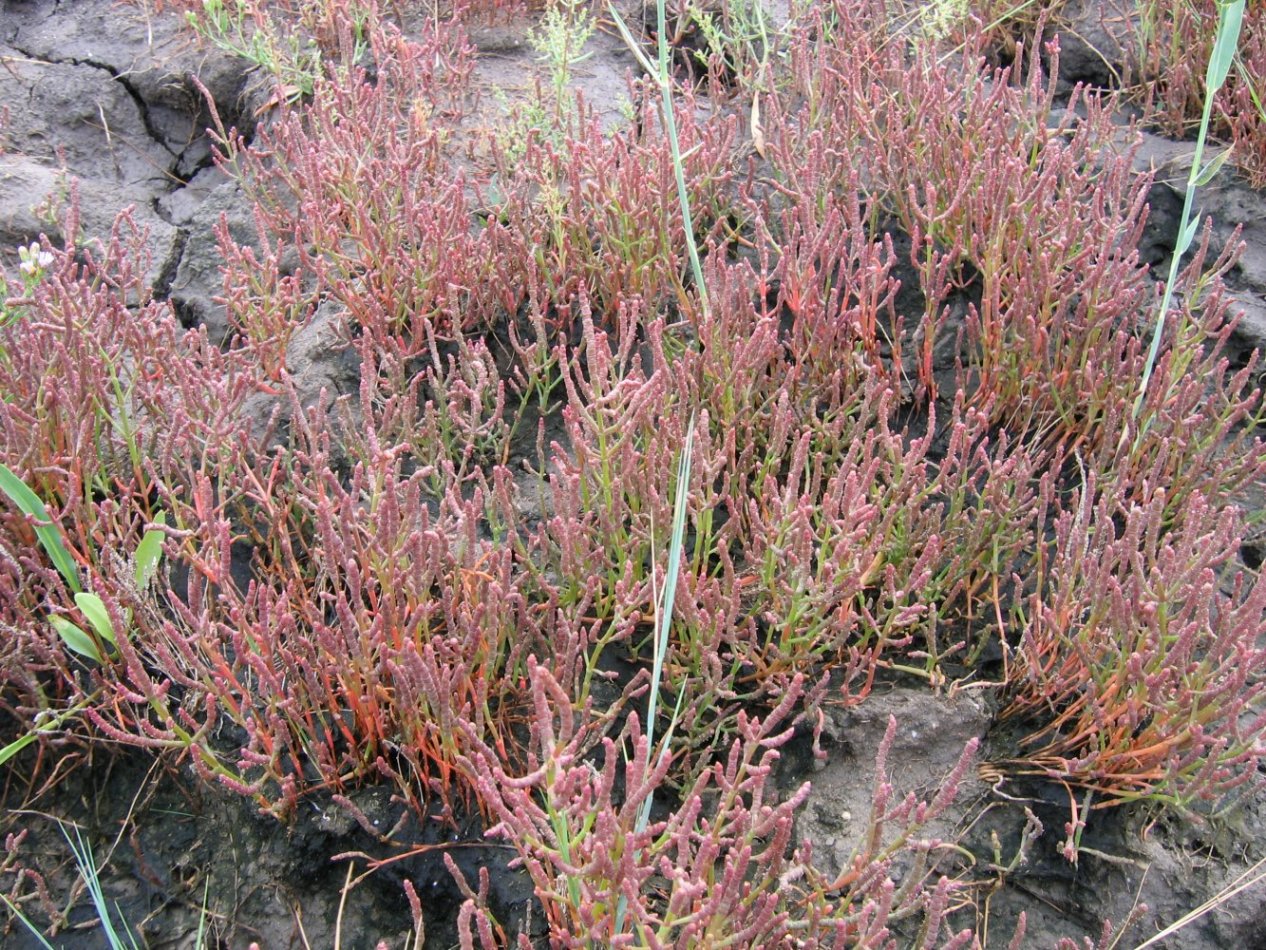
[227, 27]
[76, 640]
[145, 563]
[145, 559]
[738, 36]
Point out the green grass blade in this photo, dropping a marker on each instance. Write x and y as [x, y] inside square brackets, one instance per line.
[629, 41]
[1251, 87]
[664, 616]
[17, 745]
[200, 943]
[659, 71]
[13, 909]
[48, 534]
[1230, 20]
[87, 864]
[663, 623]
[1187, 236]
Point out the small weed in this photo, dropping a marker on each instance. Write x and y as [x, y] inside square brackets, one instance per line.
[560, 39]
[296, 62]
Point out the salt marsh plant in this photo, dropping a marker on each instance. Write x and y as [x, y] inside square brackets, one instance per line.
[719, 866]
[907, 333]
[1144, 675]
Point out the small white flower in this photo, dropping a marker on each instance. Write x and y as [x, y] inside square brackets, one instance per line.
[34, 259]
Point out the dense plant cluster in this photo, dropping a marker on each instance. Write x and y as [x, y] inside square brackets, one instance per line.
[915, 453]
